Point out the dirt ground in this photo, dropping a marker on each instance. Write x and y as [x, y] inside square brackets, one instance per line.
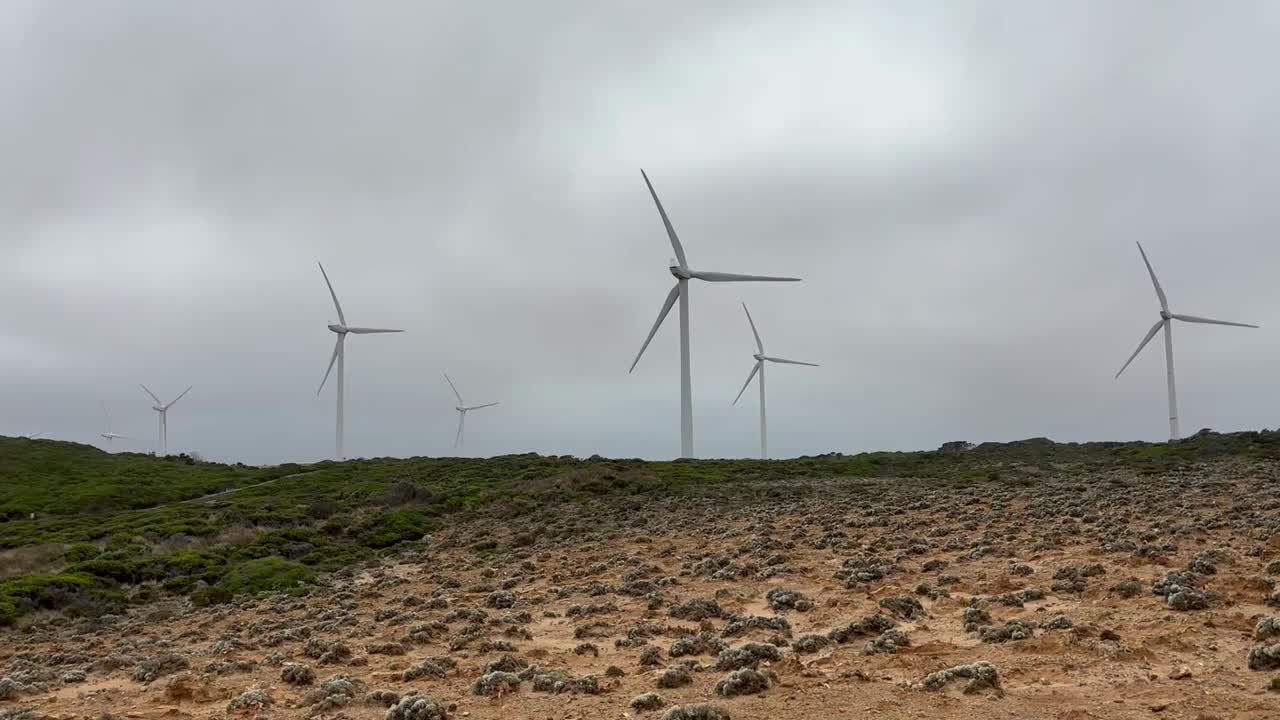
[618, 573]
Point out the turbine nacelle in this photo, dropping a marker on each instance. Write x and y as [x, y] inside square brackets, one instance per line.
[759, 357]
[1166, 315]
[681, 273]
[340, 329]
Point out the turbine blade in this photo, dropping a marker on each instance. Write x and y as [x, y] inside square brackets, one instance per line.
[671, 232]
[455, 389]
[754, 369]
[337, 344]
[790, 362]
[1150, 334]
[477, 407]
[153, 395]
[341, 318]
[734, 277]
[759, 344]
[171, 402]
[662, 315]
[370, 331]
[1207, 321]
[1164, 302]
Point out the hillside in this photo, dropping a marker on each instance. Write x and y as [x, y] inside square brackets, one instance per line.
[1026, 579]
[108, 524]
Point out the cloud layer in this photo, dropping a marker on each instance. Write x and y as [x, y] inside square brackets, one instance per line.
[959, 184]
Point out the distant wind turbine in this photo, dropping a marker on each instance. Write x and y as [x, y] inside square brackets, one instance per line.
[1166, 322]
[32, 436]
[109, 435]
[163, 410]
[339, 356]
[761, 358]
[463, 409]
[680, 269]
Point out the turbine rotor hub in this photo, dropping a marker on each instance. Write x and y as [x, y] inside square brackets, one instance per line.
[681, 273]
[340, 329]
[758, 357]
[1165, 315]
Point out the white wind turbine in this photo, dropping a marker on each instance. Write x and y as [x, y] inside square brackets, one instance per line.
[162, 435]
[761, 358]
[339, 356]
[680, 269]
[32, 436]
[463, 409]
[109, 436]
[1166, 322]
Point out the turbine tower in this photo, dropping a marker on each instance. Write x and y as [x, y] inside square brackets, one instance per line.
[679, 267]
[162, 435]
[109, 435]
[761, 359]
[1166, 322]
[463, 409]
[339, 356]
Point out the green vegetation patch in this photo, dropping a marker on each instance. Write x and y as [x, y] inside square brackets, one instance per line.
[127, 519]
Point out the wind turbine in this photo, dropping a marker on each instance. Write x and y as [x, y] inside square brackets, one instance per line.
[680, 269]
[1166, 322]
[761, 358]
[339, 356]
[463, 409]
[108, 435]
[163, 409]
[31, 436]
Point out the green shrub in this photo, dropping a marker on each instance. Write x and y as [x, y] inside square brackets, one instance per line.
[212, 595]
[114, 569]
[49, 592]
[189, 563]
[8, 611]
[81, 552]
[266, 575]
[391, 528]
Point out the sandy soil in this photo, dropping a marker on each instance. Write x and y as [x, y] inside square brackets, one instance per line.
[1122, 657]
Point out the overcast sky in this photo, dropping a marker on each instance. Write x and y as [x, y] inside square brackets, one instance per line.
[959, 184]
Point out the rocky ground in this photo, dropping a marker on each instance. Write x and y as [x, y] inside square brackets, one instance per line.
[1108, 596]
